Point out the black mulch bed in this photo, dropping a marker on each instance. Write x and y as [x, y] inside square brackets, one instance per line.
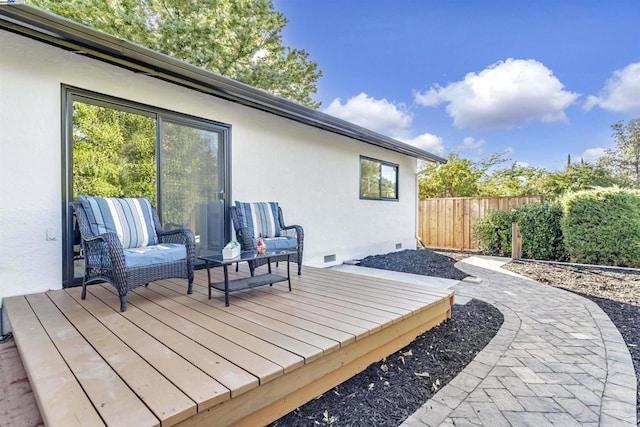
[389, 391]
[427, 263]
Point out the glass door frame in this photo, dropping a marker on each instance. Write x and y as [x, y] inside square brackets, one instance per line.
[69, 95]
[225, 163]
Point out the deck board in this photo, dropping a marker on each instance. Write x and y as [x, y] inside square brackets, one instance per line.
[196, 384]
[379, 287]
[182, 305]
[257, 365]
[46, 365]
[168, 403]
[353, 314]
[203, 305]
[284, 334]
[317, 330]
[234, 378]
[178, 359]
[366, 296]
[344, 326]
[99, 381]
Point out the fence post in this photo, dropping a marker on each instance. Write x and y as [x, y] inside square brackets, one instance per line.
[516, 241]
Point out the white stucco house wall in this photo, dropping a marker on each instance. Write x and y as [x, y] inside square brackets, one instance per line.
[317, 183]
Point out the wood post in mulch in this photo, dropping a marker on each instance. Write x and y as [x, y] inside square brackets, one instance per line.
[516, 241]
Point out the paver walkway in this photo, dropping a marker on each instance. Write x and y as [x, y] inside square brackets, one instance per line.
[557, 360]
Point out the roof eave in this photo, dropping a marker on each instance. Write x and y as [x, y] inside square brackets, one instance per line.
[70, 35]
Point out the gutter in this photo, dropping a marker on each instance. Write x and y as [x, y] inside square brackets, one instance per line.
[52, 29]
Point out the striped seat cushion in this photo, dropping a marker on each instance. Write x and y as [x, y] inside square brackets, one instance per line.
[259, 217]
[131, 219]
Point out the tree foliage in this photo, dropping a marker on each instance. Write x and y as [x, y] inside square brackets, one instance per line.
[240, 39]
[490, 178]
[457, 178]
[576, 177]
[190, 172]
[113, 152]
[461, 177]
[514, 180]
[623, 161]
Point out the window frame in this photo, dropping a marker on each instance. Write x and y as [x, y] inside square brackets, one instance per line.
[380, 163]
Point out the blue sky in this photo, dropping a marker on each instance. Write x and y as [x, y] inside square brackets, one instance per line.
[538, 79]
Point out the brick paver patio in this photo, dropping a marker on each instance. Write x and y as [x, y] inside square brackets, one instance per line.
[557, 360]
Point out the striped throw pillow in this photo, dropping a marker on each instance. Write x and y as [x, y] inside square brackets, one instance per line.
[259, 217]
[131, 219]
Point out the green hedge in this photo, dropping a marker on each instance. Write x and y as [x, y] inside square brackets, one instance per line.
[539, 225]
[602, 226]
[493, 232]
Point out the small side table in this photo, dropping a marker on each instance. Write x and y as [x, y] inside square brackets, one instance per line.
[247, 282]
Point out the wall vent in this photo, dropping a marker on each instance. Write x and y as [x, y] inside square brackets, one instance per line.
[330, 258]
[398, 245]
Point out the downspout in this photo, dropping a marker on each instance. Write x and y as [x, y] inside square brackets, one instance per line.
[417, 202]
[417, 199]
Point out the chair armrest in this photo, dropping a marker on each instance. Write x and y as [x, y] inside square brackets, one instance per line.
[109, 239]
[104, 250]
[179, 235]
[299, 232]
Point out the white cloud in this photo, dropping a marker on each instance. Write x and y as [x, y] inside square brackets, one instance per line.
[591, 155]
[385, 117]
[621, 92]
[504, 95]
[427, 142]
[378, 115]
[260, 53]
[470, 143]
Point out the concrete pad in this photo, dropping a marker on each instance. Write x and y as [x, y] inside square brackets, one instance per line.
[490, 263]
[418, 279]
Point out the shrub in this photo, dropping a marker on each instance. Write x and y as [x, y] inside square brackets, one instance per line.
[494, 233]
[602, 226]
[539, 225]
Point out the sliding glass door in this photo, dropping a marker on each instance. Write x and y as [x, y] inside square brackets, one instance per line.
[115, 148]
[192, 182]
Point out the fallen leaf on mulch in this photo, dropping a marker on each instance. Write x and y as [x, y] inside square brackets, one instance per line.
[327, 419]
[400, 392]
[384, 368]
[422, 374]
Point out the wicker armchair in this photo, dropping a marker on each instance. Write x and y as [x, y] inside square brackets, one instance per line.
[248, 241]
[105, 261]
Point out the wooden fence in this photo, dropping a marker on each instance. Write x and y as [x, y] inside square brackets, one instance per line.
[447, 223]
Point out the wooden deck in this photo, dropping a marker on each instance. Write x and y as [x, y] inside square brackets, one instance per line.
[177, 359]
